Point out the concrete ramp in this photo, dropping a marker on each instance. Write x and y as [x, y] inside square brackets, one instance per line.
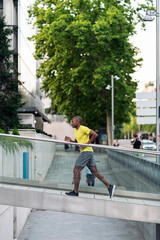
[89, 204]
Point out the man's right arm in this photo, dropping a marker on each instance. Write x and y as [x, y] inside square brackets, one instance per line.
[68, 139]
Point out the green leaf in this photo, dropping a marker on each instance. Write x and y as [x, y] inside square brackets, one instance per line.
[81, 44]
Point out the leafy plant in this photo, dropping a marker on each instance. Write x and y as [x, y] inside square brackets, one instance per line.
[13, 145]
[1, 131]
[15, 132]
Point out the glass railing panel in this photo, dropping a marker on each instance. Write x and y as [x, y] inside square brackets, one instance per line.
[25, 159]
[49, 163]
[136, 171]
[61, 170]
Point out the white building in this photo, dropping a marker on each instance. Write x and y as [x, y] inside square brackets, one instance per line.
[16, 15]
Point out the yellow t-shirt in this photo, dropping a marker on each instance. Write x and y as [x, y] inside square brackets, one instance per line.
[82, 136]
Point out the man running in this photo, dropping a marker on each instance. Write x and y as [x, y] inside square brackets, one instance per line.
[85, 135]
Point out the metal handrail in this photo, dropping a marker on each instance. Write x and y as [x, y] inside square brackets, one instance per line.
[123, 149]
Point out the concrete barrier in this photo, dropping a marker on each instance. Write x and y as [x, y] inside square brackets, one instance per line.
[147, 170]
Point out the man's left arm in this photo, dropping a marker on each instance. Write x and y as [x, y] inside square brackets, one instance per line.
[93, 135]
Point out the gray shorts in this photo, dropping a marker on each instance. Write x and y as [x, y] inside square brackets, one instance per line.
[85, 158]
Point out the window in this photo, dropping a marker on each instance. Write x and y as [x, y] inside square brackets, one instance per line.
[1, 4]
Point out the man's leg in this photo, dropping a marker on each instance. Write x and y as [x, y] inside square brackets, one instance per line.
[97, 174]
[77, 171]
[81, 162]
[77, 177]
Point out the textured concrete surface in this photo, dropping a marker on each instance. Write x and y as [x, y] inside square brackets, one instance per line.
[47, 225]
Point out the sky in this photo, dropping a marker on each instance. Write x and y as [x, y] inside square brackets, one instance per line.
[146, 42]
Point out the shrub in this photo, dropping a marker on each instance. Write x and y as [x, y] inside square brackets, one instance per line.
[15, 132]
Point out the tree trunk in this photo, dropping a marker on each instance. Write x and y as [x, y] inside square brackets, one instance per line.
[109, 129]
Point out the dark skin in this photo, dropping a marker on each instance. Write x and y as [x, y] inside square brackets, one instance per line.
[77, 169]
[76, 124]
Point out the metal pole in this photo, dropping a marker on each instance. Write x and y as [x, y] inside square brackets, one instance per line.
[112, 83]
[157, 71]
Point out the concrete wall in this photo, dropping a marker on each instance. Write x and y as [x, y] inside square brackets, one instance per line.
[59, 130]
[27, 118]
[20, 217]
[6, 223]
[12, 220]
[149, 230]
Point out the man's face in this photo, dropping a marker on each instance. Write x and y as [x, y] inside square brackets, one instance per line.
[74, 122]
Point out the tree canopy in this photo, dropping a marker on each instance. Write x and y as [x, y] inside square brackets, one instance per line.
[81, 44]
[133, 128]
[10, 98]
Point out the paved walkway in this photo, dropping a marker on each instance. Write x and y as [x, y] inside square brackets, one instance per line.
[49, 225]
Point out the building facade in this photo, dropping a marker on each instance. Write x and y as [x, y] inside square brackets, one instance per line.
[16, 16]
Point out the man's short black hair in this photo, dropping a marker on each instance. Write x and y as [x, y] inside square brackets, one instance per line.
[78, 118]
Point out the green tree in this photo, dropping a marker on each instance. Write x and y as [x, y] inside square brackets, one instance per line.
[149, 128]
[82, 43]
[131, 128]
[10, 98]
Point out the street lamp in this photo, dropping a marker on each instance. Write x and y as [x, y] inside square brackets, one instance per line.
[148, 17]
[112, 103]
